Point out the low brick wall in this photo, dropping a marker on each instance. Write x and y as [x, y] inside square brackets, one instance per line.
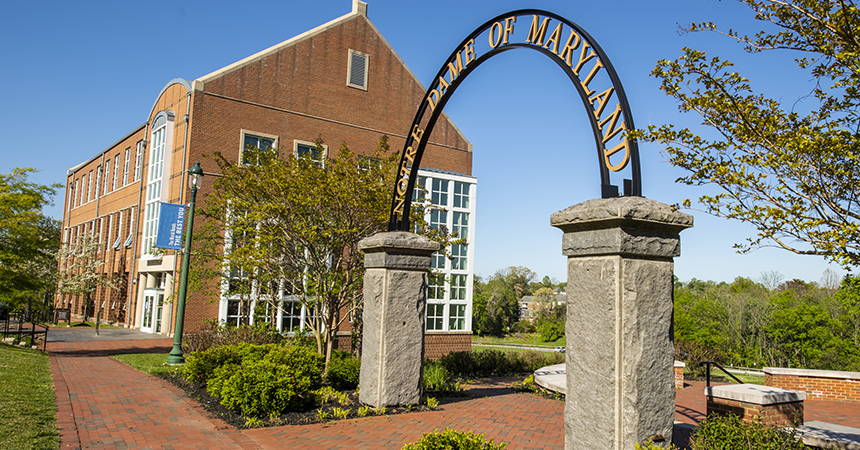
[440, 343]
[679, 374]
[817, 384]
[753, 403]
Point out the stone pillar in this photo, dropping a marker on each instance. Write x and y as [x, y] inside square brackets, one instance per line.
[619, 356]
[395, 298]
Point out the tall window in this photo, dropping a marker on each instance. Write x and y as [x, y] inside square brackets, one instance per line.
[436, 286]
[253, 145]
[439, 192]
[461, 225]
[153, 187]
[71, 196]
[78, 192]
[90, 185]
[458, 287]
[125, 167]
[137, 159]
[107, 176]
[461, 195]
[98, 180]
[438, 218]
[115, 172]
[460, 253]
[435, 316]
[456, 317]
[291, 320]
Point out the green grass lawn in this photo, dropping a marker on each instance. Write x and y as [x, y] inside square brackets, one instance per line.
[27, 404]
[526, 339]
[151, 363]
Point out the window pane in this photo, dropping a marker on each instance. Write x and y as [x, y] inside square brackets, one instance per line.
[439, 192]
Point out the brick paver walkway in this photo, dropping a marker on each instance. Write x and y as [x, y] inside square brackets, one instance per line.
[104, 404]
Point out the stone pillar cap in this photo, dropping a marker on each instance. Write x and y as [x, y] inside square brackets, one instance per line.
[756, 394]
[398, 241]
[633, 212]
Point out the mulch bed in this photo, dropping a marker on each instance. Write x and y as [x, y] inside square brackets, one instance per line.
[484, 387]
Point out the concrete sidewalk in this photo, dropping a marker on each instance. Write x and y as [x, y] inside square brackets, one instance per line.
[104, 404]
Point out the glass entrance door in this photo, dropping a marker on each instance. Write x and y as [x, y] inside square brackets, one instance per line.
[148, 303]
[153, 305]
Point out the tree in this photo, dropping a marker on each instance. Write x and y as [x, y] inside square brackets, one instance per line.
[80, 272]
[290, 227]
[496, 303]
[791, 175]
[28, 238]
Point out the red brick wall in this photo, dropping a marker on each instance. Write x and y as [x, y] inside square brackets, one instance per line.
[843, 390]
[780, 414]
[439, 344]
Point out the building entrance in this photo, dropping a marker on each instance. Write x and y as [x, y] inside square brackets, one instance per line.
[153, 306]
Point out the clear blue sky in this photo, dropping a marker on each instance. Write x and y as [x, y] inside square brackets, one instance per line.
[77, 76]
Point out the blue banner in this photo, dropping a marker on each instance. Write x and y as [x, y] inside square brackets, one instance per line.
[170, 223]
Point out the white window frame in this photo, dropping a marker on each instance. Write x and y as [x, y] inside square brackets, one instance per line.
[297, 143]
[257, 134]
[349, 59]
[115, 172]
[107, 176]
[438, 316]
[125, 166]
[137, 159]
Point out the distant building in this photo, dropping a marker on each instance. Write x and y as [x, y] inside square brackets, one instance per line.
[340, 81]
[527, 307]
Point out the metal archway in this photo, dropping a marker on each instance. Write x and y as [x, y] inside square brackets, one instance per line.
[578, 54]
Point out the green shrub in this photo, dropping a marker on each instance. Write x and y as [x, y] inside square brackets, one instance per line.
[455, 440]
[280, 380]
[495, 362]
[551, 331]
[201, 366]
[524, 326]
[343, 371]
[724, 432]
[437, 378]
[648, 445]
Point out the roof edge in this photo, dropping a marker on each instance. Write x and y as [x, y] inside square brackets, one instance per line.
[415, 77]
[359, 9]
[75, 168]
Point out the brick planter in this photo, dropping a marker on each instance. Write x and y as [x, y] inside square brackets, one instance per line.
[770, 405]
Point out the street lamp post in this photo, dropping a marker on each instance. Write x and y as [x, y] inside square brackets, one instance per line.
[176, 356]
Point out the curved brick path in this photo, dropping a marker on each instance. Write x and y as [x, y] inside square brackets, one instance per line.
[104, 404]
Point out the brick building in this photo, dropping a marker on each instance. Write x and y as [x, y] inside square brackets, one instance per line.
[341, 82]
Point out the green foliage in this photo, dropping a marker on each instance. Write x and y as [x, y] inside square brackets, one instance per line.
[495, 362]
[437, 378]
[295, 223]
[496, 302]
[343, 371]
[201, 366]
[267, 383]
[793, 324]
[551, 331]
[524, 326]
[28, 239]
[728, 432]
[27, 406]
[457, 440]
[217, 334]
[792, 175]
